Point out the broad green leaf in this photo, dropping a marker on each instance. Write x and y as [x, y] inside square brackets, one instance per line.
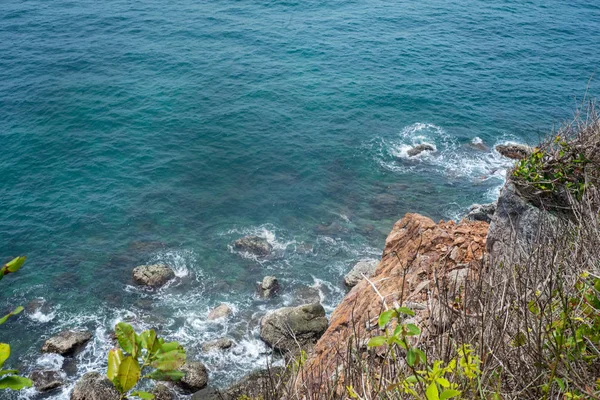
[376, 341]
[159, 375]
[115, 356]
[14, 265]
[411, 357]
[129, 373]
[385, 317]
[449, 393]
[4, 353]
[443, 382]
[412, 330]
[15, 382]
[170, 360]
[170, 346]
[143, 395]
[147, 339]
[406, 310]
[13, 313]
[432, 392]
[411, 379]
[127, 338]
[8, 372]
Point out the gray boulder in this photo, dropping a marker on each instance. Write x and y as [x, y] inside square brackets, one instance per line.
[45, 380]
[253, 244]
[196, 377]
[268, 287]
[221, 311]
[94, 386]
[481, 212]
[366, 267]
[152, 275]
[218, 344]
[514, 151]
[66, 342]
[291, 329]
[251, 386]
[161, 392]
[418, 149]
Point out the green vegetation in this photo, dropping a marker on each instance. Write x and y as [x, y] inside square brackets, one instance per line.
[9, 378]
[142, 352]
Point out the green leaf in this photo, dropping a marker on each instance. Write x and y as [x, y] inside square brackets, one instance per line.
[406, 310]
[159, 375]
[443, 382]
[171, 360]
[148, 339]
[412, 330]
[8, 372]
[15, 382]
[143, 395]
[115, 356]
[385, 317]
[13, 313]
[411, 379]
[127, 338]
[449, 393]
[129, 373]
[432, 392]
[4, 353]
[377, 341]
[14, 265]
[411, 357]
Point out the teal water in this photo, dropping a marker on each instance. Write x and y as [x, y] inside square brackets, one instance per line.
[162, 131]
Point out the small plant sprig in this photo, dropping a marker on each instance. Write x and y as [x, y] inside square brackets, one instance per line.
[140, 352]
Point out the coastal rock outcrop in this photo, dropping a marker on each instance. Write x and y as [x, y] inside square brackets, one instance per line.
[513, 151]
[196, 376]
[481, 212]
[221, 311]
[161, 392]
[44, 380]
[418, 149]
[218, 344]
[66, 342]
[291, 329]
[363, 267]
[152, 275]
[251, 386]
[268, 287]
[254, 244]
[94, 386]
[417, 251]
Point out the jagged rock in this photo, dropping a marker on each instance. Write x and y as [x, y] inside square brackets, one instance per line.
[251, 386]
[481, 212]
[268, 287]
[366, 267]
[161, 392]
[219, 344]
[94, 386]
[514, 151]
[46, 380]
[196, 377]
[66, 342]
[418, 149]
[289, 328]
[221, 311]
[254, 244]
[152, 275]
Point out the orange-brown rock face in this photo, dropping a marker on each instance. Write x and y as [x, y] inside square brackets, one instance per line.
[419, 257]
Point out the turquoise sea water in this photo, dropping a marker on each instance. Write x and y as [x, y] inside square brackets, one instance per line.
[137, 132]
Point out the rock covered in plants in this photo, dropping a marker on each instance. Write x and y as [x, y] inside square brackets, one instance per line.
[254, 244]
[196, 376]
[162, 392]
[66, 342]
[152, 275]
[366, 267]
[418, 149]
[287, 328]
[218, 344]
[481, 212]
[45, 380]
[221, 311]
[94, 386]
[268, 287]
[514, 151]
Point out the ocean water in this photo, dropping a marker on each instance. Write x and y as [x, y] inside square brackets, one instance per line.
[152, 131]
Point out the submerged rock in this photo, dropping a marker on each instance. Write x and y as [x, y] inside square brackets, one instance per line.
[366, 267]
[218, 344]
[66, 342]
[221, 311]
[305, 295]
[291, 329]
[254, 244]
[152, 275]
[514, 151]
[481, 212]
[418, 149]
[94, 386]
[45, 380]
[268, 287]
[196, 377]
